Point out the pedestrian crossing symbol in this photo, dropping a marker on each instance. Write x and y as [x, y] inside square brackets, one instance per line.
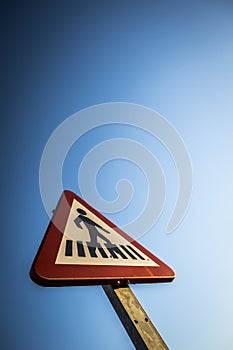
[82, 247]
[89, 240]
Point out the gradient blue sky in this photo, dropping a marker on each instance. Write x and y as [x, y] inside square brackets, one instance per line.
[173, 56]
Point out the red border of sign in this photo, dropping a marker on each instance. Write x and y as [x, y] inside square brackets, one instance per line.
[45, 272]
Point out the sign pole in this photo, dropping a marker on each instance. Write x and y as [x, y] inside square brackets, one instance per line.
[138, 325]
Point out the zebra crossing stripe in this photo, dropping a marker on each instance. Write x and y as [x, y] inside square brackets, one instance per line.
[114, 250]
[69, 250]
[102, 251]
[135, 252]
[81, 251]
[128, 252]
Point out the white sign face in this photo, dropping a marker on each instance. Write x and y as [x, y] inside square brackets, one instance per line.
[88, 240]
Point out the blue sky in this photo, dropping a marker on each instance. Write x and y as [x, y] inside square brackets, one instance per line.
[172, 56]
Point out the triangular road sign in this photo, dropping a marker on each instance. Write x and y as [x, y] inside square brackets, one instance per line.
[82, 247]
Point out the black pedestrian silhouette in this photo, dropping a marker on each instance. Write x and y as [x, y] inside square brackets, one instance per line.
[91, 227]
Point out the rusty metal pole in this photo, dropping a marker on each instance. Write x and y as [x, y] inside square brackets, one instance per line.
[138, 325]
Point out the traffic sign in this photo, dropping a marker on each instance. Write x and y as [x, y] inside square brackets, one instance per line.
[82, 247]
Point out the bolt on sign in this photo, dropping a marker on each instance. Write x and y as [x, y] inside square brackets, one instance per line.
[82, 247]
